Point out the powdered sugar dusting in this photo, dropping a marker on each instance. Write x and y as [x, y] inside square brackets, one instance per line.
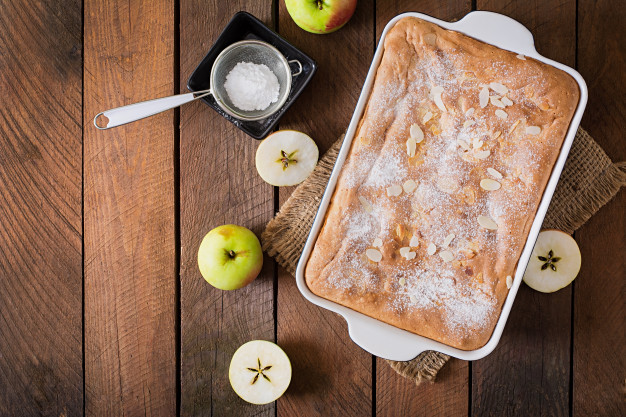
[464, 308]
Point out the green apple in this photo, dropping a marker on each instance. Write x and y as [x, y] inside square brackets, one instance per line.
[230, 257]
[259, 372]
[320, 16]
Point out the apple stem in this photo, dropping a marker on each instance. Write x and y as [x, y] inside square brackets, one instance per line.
[231, 254]
[320, 4]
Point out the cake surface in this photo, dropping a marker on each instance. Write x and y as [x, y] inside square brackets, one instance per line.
[442, 182]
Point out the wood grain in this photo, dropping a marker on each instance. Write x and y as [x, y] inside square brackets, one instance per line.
[599, 315]
[529, 372]
[40, 208]
[219, 185]
[130, 361]
[396, 396]
[332, 375]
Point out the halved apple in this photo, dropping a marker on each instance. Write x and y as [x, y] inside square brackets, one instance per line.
[259, 372]
[554, 263]
[286, 157]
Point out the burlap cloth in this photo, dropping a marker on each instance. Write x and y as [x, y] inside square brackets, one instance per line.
[589, 180]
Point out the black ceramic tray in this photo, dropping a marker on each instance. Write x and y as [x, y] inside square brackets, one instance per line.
[244, 26]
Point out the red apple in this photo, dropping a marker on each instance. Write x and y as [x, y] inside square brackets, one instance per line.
[320, 16]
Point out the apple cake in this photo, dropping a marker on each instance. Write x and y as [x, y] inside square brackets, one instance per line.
[435, 201]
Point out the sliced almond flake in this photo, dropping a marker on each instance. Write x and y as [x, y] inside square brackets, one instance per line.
[506, 101]
[533, 130]
[416, 133]
[411, 146]
[430, 39]
[402, 282]
[482, 154]
[366, 204]
[414, 242]
[413, 299]
[501, 114]
[520, 56]
[496, 135]
[431, 249]
[377, 243]
[446, 255]
[494, 173]
[427, 117]
[477, 143]
[404, 251]
[448, 239]
[487, 223]
[469, 123]
[483, 97]
[374, 255]
[514, 125]
[469, 112]
[509, 281]
[436, 92]
[394, 191]
[499, 88]
[466, 157]
[400, 229]
[496, 102]
[489, 184]
[463, 144]
[409, 186]
[411, 255]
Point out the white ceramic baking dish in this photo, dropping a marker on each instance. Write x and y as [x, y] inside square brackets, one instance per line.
[382, 339]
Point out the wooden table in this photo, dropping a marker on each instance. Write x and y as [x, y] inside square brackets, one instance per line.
[102, 308]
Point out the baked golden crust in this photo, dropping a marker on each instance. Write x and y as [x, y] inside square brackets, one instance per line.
[455, 294]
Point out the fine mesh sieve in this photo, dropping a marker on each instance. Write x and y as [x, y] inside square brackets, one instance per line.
[253, 51]
[256, 52]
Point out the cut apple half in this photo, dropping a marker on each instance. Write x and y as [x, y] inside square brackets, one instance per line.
[259, 372]
[554, 263]
[286, 157]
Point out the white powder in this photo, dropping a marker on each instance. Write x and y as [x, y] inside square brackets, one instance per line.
[252, 86]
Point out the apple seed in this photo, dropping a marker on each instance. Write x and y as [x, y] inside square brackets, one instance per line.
[260, 371]
[287, 159]
[549, 261]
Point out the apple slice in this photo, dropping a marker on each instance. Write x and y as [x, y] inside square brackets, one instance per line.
[259, 372]
[554, 263]
[286, 157]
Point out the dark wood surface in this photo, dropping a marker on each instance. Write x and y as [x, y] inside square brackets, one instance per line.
[129, 235]
[102, 308]
[41, 256]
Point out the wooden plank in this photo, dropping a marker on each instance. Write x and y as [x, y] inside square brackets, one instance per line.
[332, 375]
[219, 185]
[529, 372]
[599, 337]
[447, 396]
[130, 360]
[396, 396]
[40, 208]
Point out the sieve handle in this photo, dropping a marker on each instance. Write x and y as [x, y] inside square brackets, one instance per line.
[126, 114]
[295, 61]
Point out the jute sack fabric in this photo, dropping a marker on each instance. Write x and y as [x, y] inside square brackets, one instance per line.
[589, 180]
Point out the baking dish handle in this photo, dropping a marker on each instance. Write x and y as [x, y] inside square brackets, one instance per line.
[498, 30]
[381, 339]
